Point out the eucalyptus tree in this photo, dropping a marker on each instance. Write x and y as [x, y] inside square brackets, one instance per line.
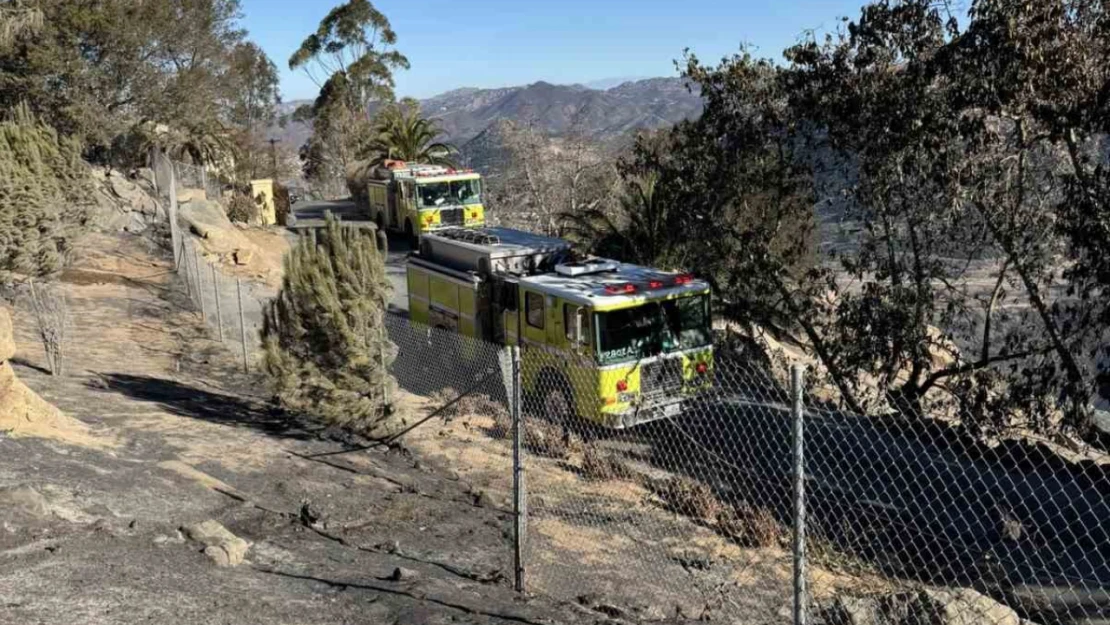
[351, 58]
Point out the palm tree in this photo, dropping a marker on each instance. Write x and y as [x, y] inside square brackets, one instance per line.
[401, 133]
[638, 233]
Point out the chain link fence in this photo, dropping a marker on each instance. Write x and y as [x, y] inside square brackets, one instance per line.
[189, 176]
[759, 501]
[685, 514]
[172, 178]
[734, 493]
[230, 307]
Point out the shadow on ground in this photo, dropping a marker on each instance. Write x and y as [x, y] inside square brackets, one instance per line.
[195, 403]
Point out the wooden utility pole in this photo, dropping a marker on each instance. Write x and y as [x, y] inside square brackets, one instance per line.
[273, 157]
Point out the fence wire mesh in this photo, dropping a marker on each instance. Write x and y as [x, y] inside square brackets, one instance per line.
[686, 513]
[908, 519]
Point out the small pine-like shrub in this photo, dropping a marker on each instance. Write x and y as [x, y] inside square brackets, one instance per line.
[326, 349]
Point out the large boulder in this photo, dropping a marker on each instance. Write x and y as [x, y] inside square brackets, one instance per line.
[127, 203]
[130, 195]
[191, 195]
[957, 606]
[220, 545]
[208, 221]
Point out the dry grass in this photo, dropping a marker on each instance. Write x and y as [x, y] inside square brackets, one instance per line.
[750, 526]
[473, 404]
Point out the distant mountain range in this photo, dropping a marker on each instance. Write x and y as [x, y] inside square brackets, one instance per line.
[602, 113]
[649, 103]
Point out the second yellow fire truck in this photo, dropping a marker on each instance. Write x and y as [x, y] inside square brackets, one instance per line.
[416, 199]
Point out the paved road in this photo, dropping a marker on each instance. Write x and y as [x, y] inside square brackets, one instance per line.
[309, 213]
[913, 499]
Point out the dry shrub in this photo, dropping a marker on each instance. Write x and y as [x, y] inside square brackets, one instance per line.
[502, 425]
[750, 526]
[689, 497]
[242, 209]
[547, 439]
[327, 353]
[598, 465]
[51, 318]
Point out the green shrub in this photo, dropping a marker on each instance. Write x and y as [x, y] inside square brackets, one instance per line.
[45, 194]
[326, 350]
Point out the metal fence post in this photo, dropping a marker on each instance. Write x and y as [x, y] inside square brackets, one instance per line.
[200, 286]
[242, 323]
[798, 413]
[216, 294]
[181, 261]
[519, 507]
[385, 368]
[175, 234]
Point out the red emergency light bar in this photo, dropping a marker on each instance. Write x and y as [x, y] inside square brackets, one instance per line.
[683, 279]
[620, 289]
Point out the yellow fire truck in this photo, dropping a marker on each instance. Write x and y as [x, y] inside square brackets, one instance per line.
[416, 199]
[613, 343]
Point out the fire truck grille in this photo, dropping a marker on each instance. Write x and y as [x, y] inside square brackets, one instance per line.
[451, 217]
[661, 377]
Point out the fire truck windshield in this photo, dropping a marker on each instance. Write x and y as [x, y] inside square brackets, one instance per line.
[452, 193]
[656, 327]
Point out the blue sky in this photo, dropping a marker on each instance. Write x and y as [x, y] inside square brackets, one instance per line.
[493, 43]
